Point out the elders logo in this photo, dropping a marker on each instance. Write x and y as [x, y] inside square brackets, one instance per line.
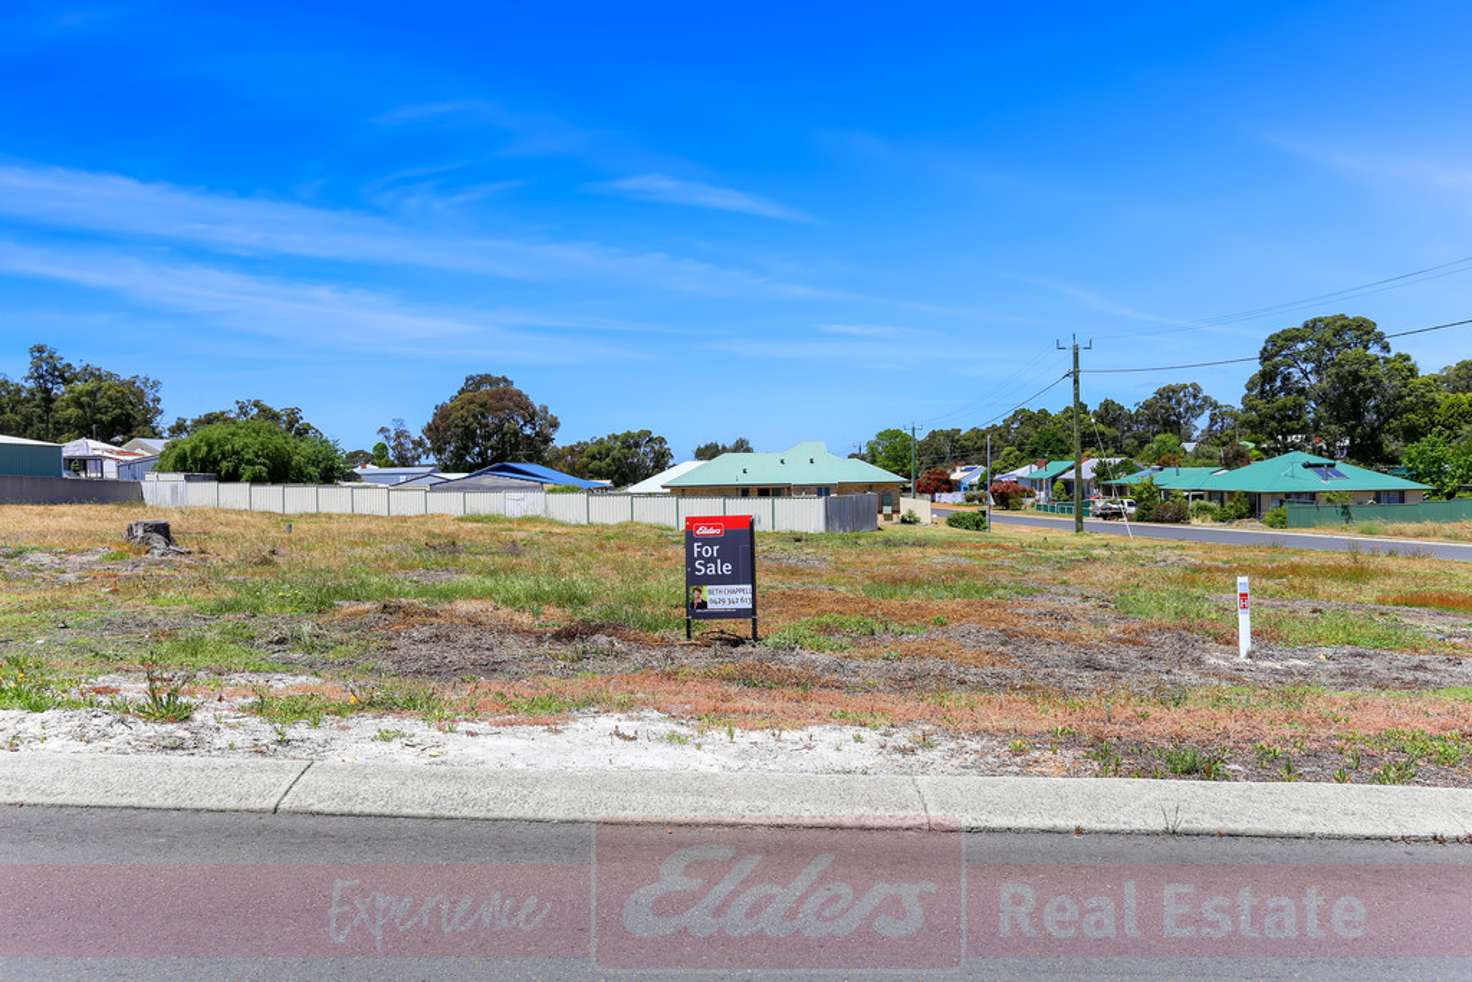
[704, 531]
[731, 898]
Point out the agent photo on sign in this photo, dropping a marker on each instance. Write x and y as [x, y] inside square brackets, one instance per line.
[697, 598]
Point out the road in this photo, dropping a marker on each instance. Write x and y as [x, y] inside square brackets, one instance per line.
[1462, 552]
[108, 893]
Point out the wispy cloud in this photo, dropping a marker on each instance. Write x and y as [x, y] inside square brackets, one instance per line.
[866, 330]
[695, 194]
[1433, 172]
[322, 314]
[532, 134]
[115, 205]
[1094, 301]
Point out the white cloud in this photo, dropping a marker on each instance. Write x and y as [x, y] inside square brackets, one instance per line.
[1425, 171]
[668, 190]
[330, 316]
[111, 204]
[866, 330]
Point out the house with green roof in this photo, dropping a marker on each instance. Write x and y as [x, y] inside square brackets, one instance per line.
[803, 470]
[1041, 477]
[1184, 479]
[1292, 478]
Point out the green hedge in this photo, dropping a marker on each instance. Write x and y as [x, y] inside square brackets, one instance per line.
[975, 521]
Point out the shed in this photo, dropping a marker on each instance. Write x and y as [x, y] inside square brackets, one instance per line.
[29, 458]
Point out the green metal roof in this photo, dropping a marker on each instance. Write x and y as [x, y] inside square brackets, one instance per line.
[1054, 468]
[1290, 472]
[1173, 478]
[803, 464]
[1297, 471]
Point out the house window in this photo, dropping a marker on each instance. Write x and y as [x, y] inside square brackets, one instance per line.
[1301, 497]
[1390, 497]
[763, 492]
[824, 492]
[746, 492]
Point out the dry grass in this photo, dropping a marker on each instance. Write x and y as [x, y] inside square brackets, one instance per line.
[887, 596]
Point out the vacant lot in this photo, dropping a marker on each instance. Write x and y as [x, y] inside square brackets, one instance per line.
[1017, 651]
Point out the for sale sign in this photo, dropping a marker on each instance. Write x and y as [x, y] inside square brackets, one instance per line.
[720, 569]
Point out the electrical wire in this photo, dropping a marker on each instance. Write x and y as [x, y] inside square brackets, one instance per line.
[1239, 361]
[1413, 278]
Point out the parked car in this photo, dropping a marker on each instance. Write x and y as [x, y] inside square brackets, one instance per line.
[1115, 508]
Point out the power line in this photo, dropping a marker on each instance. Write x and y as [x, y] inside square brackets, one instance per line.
[1239, 361]
[1413, 278]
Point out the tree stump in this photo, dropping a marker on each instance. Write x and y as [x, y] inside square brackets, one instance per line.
[155, 536]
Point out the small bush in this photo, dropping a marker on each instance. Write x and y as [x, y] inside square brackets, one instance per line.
[1206, 510]
[974, 521]
[562, 489]
[1276, 518]
[909, 517]
[1173, 509]
[974, 497]
[1238, 507]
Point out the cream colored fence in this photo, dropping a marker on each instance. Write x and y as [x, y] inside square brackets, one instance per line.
[846, 513]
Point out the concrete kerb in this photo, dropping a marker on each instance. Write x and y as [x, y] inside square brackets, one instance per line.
[891, 802]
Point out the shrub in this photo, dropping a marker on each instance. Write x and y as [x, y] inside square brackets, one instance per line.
[1276, 518]
[1206, 510]
[1147, 500]
[1060, 491]
[1009, 494]
[974, 521]
[1238, 507]
[937, 480]
[562, 489]
[909, 517]
[1173, 509]
[974, 497]
[254, 450]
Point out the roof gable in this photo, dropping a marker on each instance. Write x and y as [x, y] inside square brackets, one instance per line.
[802, 464]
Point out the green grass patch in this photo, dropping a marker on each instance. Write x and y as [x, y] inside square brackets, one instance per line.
[30, 685]
[833, 632]
[947, 588]
[212, 652]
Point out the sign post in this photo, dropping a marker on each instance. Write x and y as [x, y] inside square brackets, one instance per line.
[720, 569]
[1244, 618]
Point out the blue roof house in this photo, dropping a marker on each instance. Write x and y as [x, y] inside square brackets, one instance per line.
[539, 474]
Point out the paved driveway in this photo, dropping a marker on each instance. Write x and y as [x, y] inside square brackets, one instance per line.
[1245, 537]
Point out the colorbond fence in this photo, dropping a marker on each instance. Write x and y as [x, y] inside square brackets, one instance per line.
[1302, 516]
[845, 513]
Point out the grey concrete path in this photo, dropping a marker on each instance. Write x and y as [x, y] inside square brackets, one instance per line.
[772, 800]
[1462, 552]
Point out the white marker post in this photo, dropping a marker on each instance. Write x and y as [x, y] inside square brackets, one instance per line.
[1244, 618]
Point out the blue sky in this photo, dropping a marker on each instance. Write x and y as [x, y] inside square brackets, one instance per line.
[791, 222]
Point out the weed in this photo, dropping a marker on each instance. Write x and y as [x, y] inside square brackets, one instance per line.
[1189, 761]
[389, 736]
[1109, 761]
[28, 684]
[162, 702]
[1394, 772]
[1266, 753]
[1018, 746]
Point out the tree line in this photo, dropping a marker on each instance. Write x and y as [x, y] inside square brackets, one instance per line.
[1331, 386]
[487, 420]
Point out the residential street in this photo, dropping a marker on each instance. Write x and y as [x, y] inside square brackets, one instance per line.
[155, 894]
[1242, 537]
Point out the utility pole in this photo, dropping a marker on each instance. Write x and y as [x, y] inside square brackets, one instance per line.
[912, 460]
[988, 468]
[1078, 444]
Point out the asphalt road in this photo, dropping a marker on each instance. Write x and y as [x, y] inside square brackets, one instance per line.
[1243, 537]
[111, 893]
